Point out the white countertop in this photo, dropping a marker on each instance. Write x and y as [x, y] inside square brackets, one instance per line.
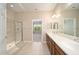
[69, 46]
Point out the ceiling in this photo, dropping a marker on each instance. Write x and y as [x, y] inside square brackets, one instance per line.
[66, 6]
[73, 6]
[23, 7]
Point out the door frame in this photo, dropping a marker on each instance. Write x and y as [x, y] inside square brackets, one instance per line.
[41, 31]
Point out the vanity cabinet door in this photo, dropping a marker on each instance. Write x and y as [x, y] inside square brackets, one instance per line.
[48, 42]
[53, 47]
[58, 50]
[47, 39]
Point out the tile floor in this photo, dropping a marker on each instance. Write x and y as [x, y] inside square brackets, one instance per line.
[33, 48]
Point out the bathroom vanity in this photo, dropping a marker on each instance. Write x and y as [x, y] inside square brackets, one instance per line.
[60, 44]
[53, 47]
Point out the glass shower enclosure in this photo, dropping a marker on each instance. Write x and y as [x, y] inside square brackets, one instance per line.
[18, 33]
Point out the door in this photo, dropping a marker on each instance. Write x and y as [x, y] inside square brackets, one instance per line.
[18, 33]
[37, 30]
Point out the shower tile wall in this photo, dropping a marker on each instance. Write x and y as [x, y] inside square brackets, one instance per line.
[10, 26]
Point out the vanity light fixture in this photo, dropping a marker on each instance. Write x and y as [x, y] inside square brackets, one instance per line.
[56, 16]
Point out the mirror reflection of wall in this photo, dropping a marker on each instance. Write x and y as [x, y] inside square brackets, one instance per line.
[69, 26]
[55, 26]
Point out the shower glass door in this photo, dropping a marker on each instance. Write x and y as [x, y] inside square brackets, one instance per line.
[18, 33]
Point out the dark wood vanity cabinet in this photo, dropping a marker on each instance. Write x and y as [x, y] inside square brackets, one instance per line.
[53, 47]
[48, 42]
[58, 50]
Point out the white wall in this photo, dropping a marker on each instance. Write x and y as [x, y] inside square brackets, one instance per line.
[10, 26]
[2, 29]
